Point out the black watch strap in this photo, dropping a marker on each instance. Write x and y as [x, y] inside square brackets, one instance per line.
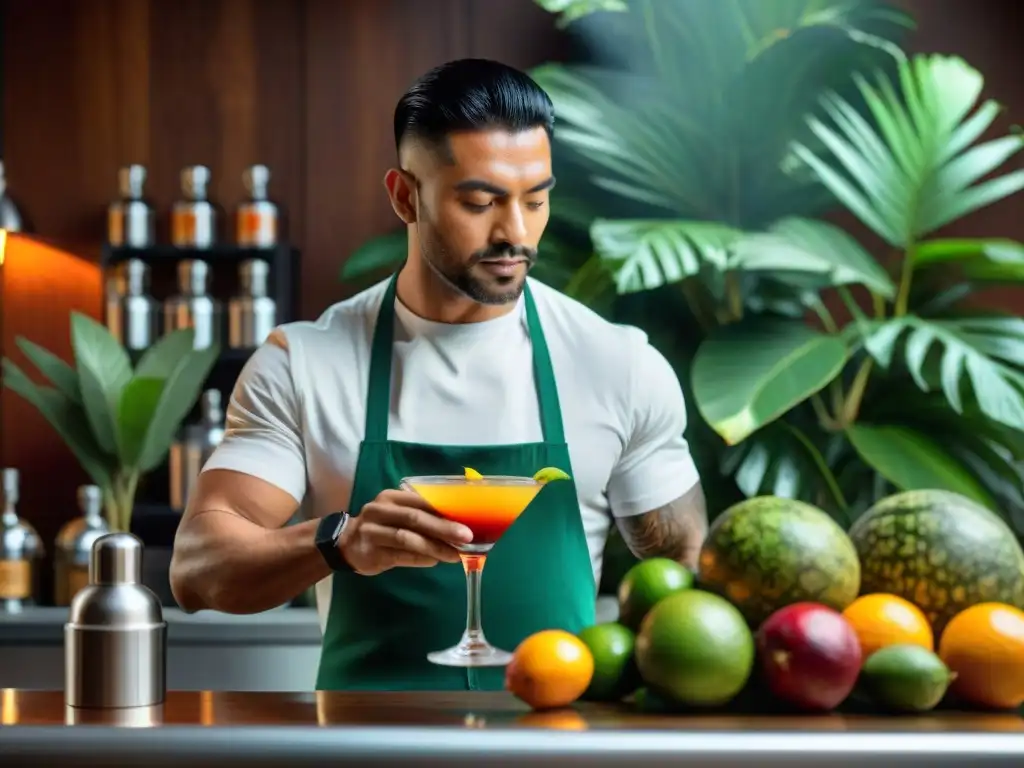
[327, 533]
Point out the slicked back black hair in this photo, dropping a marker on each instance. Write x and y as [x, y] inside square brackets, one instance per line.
[471, 95]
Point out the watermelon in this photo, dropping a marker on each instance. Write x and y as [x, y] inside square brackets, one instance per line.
[939, 550]
[767, 552]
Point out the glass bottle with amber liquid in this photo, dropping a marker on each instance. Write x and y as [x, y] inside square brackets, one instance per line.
[20, 549]
[74, 545]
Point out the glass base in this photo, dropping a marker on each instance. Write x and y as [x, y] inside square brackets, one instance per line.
[471, 653]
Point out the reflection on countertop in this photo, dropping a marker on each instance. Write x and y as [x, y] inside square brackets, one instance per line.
[478, 729]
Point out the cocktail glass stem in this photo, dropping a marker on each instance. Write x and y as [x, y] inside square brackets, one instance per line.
[473, 565]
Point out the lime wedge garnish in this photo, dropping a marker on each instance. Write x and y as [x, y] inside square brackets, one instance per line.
[549, 474]
[472, 474]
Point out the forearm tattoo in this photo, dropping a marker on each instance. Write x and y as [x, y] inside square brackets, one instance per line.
[676, 530]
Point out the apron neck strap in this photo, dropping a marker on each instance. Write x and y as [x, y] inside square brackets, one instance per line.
[378, 402]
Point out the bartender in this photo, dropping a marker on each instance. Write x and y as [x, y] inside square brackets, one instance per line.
[458, 360]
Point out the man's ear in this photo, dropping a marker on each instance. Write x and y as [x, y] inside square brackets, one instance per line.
[402, 193]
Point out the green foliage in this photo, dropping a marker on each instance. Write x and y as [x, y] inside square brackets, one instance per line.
[119, 422]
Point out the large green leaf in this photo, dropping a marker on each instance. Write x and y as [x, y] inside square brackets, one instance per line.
[986, 353]
[384, 252]
[647, 254]
[179, 393]
[60, 374]
[104, 369]
[746, 375]
[914, 461]
[138, 408]
[163, 358]
[920, 168]
[815, 247]
[66, 417]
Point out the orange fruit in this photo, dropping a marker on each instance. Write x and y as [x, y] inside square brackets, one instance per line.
[881, 620]
[984, 646]
[550, 669]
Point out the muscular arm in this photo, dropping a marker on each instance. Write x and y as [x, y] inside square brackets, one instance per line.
[675, 531]
[233, 551]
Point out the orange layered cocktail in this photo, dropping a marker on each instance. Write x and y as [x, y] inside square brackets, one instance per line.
[488, 506]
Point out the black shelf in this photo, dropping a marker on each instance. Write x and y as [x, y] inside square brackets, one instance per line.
[153, 520]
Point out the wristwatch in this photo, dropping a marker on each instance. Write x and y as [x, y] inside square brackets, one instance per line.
[327, 534]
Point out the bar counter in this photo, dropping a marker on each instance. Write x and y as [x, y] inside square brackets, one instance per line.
[200, 729]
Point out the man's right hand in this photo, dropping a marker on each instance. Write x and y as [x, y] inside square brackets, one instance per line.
[399, 528]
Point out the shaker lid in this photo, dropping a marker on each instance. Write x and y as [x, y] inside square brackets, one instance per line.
[116, 559]
[116, 562]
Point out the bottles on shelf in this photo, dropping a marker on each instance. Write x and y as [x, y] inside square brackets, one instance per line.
[194, 219]
[133, 316]
[256, 218]
[74, 545]
[131, 222]
[252, 313]
[20, 549]
[193, 447]
[193, 307]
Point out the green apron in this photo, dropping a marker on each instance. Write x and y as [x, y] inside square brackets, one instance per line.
[538, 576]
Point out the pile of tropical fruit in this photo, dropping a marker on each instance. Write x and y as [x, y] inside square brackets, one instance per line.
[921, 602]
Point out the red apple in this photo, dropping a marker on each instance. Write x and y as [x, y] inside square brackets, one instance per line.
[809, 655]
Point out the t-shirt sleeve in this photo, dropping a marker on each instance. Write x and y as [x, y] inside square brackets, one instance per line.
[656, 467]
[263, 437]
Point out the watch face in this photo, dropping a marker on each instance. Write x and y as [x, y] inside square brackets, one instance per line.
[342, 518]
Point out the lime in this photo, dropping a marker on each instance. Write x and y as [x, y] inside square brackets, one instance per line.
[550, 474]
[695, 648]
[905, 678]
[645, 584]
[472, 474]
[615, 672]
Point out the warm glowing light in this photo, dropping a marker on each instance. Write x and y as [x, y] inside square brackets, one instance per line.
[8, 707]
[3, 245]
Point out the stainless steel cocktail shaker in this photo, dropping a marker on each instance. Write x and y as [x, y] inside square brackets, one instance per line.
[193, 307]
[133, 316]
[20, 549]
[115, 642]
[252, 314]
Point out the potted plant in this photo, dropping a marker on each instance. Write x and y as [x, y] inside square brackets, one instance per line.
[119, 420]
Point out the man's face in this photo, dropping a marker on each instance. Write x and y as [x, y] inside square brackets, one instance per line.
[482, 210]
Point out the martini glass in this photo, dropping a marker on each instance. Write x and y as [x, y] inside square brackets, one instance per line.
[487, 507]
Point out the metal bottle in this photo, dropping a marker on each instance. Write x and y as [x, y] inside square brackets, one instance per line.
[115, 641]
[194, 219]
[74, 545]
[193, 307]
[256, 219]
[252, 314]
[133, 316]
[20, 549]
[131, 222]
[193, 447]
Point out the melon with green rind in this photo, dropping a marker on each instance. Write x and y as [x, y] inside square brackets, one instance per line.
[941, 551]
[767, 552]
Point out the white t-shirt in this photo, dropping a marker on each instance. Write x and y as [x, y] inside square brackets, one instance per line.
[297, 413]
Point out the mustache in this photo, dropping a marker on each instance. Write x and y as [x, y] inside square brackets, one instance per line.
[506, 251]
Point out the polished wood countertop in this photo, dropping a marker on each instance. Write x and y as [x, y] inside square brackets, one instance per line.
[482, 729]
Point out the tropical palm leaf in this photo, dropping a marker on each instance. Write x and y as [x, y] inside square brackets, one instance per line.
[984, 354]
[798, 247]
[722, 100]
[648, 253]
[920, 168]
